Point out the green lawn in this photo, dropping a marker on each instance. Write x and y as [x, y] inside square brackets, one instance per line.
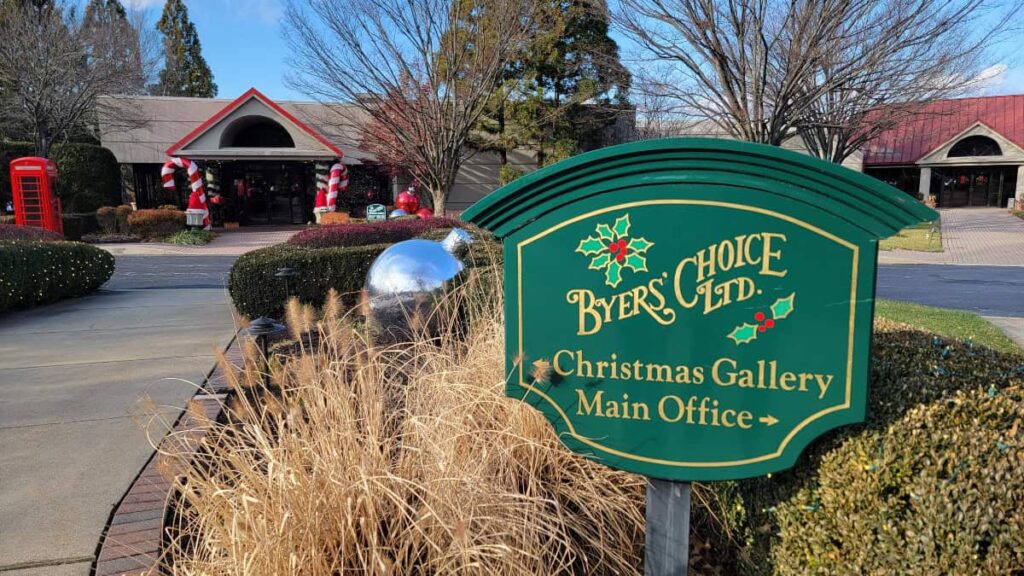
[1018, 214]
[926, 237]
[948, 323]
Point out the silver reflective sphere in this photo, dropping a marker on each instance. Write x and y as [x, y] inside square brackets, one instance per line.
[398, 212]
[408, 278]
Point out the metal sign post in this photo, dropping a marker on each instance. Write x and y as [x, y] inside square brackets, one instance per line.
[667, 544]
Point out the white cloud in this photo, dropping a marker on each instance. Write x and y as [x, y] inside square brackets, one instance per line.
[989, 79]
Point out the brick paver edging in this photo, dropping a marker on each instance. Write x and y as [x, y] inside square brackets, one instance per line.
[131, 543]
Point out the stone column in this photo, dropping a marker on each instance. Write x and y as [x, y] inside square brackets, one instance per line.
[1020, 188]
[924, 187]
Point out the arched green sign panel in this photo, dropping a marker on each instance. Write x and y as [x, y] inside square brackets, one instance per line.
[692, 309]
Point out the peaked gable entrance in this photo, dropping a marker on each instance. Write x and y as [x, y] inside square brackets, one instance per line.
[254, 127]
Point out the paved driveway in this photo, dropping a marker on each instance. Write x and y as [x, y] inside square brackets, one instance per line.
[71, 378]
[994, 292]
[973, 236]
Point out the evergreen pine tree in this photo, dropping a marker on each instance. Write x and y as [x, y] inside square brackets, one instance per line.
[185, 70]
[104, 18]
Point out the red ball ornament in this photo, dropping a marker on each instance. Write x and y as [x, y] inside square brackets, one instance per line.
[408, 201]
[425, 213]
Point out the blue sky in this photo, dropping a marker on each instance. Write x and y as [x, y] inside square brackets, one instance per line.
[243, 44]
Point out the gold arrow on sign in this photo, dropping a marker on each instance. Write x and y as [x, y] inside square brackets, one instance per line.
[768, 420]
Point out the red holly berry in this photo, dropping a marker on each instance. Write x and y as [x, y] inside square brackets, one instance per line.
[620, 257]
[759, 317]
[761, 328]
[770, 323]
[614, 247]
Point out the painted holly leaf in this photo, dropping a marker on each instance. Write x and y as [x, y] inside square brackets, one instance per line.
[600, 261]
[605, 232]
[635, 262]
[782, 307]
[621, 226]
[744, 333]
[590, 246]
[639, 245]
[613, 275]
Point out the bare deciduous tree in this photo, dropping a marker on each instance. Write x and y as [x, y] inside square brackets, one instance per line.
[438, 61]
[895, 57]
[53, 67]
[837, 71]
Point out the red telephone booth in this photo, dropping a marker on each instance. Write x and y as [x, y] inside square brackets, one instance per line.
[34, 185]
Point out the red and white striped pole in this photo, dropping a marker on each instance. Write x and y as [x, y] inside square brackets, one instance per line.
[338, 183]
[197, 199]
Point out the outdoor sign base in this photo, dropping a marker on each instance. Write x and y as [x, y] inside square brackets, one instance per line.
[667, 543]
[692, 309]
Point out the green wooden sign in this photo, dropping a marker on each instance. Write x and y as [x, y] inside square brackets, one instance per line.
[376, 212]
[692, 309]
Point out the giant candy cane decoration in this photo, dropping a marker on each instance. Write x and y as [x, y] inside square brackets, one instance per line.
[337, 183]
[197, 199]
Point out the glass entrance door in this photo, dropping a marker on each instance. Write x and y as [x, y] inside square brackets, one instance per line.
[270, 192]
[974, 186]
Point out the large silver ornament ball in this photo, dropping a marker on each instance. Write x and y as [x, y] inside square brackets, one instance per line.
[398, 212]
[406, 281]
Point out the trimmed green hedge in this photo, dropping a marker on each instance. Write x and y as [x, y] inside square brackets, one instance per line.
[885, 496]
[36, 273]
[938, 492]
[256, 292]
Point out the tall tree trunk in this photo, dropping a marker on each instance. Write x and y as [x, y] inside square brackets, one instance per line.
[502, 148]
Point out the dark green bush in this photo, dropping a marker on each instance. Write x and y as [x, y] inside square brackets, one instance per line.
[89, 176]
[77, 225]
[40, 272]
[913, 373]
[156, 223]
[256, 292]
[938, 492]
[9, 151]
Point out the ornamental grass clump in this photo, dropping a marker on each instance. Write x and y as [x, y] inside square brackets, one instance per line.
[403, 459]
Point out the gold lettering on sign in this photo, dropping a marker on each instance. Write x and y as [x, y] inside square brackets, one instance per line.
[595, 312]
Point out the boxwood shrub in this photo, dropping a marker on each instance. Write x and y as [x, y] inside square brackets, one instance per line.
[937, 492]
[40, 272]
[922, 487]
[256, 292]
[156, 223]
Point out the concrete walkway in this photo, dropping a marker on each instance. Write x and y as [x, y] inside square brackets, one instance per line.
[71, 378]
[227, 243]
[971, 236]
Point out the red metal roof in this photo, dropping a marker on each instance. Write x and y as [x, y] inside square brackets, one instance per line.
[940, 121]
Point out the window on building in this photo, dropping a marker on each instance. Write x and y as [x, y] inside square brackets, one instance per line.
[256, 132]
[975, 146]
